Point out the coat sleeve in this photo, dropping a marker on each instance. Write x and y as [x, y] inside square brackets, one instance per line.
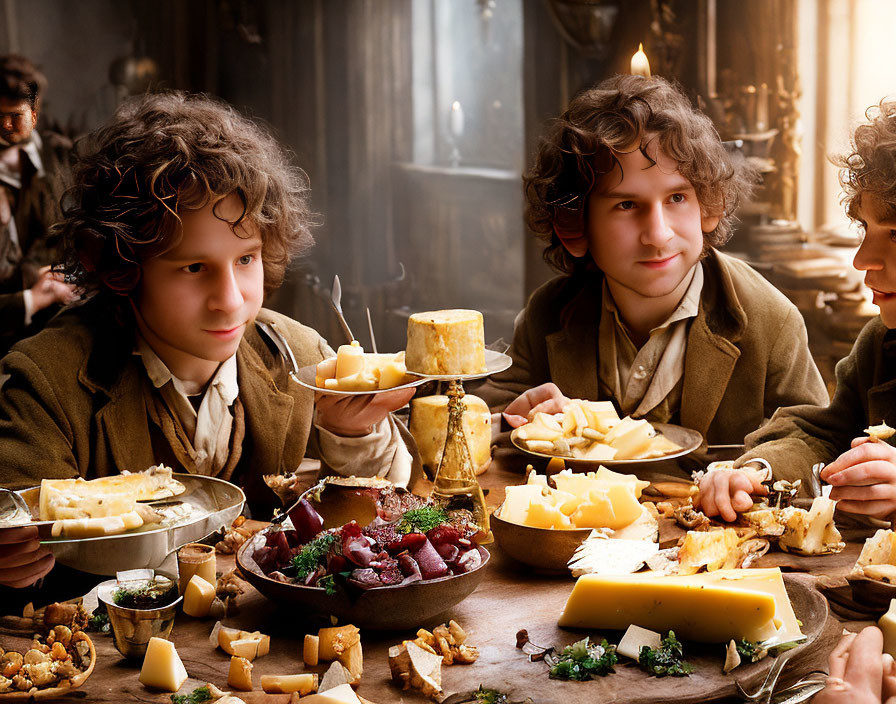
[36, 438]
[799, 436]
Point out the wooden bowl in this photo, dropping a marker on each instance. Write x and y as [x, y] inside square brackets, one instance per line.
[872, 593]
[55, 692]
[380, 608]
[545, 549]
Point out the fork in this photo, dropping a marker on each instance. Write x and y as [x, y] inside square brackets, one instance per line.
[763, 695]
[336, 299]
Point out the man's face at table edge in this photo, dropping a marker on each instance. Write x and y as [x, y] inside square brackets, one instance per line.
[876, 255]
[17, 121]
[196, 300]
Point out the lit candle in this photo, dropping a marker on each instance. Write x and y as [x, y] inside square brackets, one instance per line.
[762, 108]
[456, 121]
[640, 64]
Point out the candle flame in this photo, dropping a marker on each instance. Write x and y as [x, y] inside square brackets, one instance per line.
[640, 66]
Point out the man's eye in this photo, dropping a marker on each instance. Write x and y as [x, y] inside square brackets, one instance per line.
[677, 198]
[247, 259]
[193, 268]
[893, 235]
[626, 205]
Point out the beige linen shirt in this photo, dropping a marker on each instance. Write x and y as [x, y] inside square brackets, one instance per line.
[642, 379]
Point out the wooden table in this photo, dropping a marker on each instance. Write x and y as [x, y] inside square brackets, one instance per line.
[509, 598]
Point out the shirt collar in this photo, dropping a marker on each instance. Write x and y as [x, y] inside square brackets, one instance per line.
[32, 151]
[159, 374]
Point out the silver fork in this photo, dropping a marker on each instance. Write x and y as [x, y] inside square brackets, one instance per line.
[336, 298]
[763, 695]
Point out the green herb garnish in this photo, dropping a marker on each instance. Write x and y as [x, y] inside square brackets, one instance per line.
[147, 595]
[489, 696]
[99, 623]
[748, 650]
[328, 582]
[665, 660]
[312, 555]
[421, 520]
[197, 696]
[581, 660]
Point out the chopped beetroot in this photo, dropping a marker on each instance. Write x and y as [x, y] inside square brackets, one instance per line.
[431, 563]
[444, 534]
[306, 520]
[385, 534]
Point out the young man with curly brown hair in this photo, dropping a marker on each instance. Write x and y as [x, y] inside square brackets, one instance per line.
[861, 471]
[632, 191]
[184, 215]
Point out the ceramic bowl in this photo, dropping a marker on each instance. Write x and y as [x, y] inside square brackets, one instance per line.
[380, 608]
[545, 549]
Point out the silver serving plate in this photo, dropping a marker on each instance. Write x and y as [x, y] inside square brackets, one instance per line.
[212, 502]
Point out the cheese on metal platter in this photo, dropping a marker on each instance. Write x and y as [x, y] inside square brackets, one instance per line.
[162, 666]
[711, 607]
[446, 342]
[95, 527]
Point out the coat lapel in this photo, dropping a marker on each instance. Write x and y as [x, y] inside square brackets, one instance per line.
[709, 363]
[572, 350]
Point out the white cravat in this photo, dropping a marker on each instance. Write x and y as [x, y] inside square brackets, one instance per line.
[210, 427]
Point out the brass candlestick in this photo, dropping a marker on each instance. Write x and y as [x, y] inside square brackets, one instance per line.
[456, 483]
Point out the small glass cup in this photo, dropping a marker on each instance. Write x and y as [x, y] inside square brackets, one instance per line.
[196, 558]
[132, 628]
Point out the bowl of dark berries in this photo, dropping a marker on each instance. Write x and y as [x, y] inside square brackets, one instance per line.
[367, 553]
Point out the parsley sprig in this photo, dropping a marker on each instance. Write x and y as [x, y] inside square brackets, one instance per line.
[197, 696]
[668, 659]
[421, 520]
[312, 555]
[582, 660]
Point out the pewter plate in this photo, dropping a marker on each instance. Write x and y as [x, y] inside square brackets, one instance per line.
[305, 377]
[495, 362]
[686, 438]
[207, 505]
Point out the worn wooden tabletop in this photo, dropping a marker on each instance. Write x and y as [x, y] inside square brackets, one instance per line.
[509, 598]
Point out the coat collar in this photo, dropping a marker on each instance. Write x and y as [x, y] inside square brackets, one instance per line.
[711, 352]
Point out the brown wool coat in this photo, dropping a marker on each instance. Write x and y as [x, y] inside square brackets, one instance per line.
[747, 351]
[798, 437]
[74, 404]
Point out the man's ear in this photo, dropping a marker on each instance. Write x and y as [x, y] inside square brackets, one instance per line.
[708, 223]
[573, 241]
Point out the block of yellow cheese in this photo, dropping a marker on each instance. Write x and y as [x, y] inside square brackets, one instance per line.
[96, 527]
[713, 607]
[429, 425]
[630, 438]
[343, 694]
[162, 666]
[239, 676]
[349, 359]
[303, 683]
[198, 597]
[446, 342]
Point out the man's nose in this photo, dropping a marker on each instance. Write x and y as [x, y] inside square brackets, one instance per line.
[226, 294]
[7, 121]
[868, 257]
[656, 231]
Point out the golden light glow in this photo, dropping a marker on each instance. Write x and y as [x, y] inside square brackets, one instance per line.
[640, 64]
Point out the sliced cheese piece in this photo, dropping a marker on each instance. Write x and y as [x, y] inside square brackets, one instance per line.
[226, 636]
[162, 666]
[333, 641]
[245, 648]
[542, 515]
[695, 607]
[393, 373]
[711, 549]
[342, 694]
[310, 650]
[887, 624]
[349, 360]
[335, 675]
[240, 674]
[96, 527]
[630, 438]
[636, 638]
[429, 425]
[353, 660]
[198, 597]
[601, 555]
[879, 549]
[303, 683]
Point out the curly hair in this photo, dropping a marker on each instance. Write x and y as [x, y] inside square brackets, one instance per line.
[161, 154]
[870, 166]
[21, 80]
[578, 148]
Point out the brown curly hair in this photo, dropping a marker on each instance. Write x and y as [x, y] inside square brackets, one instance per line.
[161, 154]
[20, 79]
[578, 148]
[870, 166]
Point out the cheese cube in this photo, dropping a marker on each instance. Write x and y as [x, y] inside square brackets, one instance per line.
[310, 650]
[393, 373]
[608, 476]
[349, 360]
[542, 515]
[198, 597]
[636, 638]
[343, 694]
[245, 648]
[601, 415]
[887, 625]
[713, 607]
[429, 425]
[240, 674]
[353, 661]
[325, 369]
[227, 635]
[630, 438]
[515, 508]
[287, 684]
[336, 640]
[162, 666]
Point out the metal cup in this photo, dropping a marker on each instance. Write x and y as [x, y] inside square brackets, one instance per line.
[132, 628]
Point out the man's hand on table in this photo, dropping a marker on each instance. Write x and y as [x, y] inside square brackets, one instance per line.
[864, 478]
[546, 398]
[22, 558]
[355, 416]
[724, 492]
[860, 672]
